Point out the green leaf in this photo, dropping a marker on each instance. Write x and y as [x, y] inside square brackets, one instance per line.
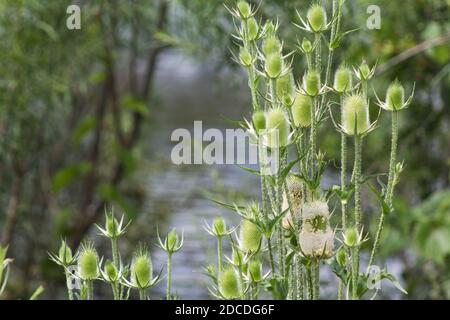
[69, 174]
[83, 128]
[132, 103]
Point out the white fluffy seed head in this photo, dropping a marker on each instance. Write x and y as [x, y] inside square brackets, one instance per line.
[316, 208]
[316, 244]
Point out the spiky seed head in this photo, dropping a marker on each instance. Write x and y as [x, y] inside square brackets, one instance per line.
[237, 257]
[271, 45]
[294, 187]
[252, 29]
[274, 65]
[364, 70]
[250, 236]
[172, 239]
[255, 270]
[259, 120]
[219, 225]
[311, 82]
[317, 244]
[228, 283]
[65, 253]
[245, 57]
[351, 237]
[301, 111]
[341, 257]
[141, 268]
[317, 17]
[355, 114]
[244, 9]
[269, 28]
[88, 262]
[278, 128]
[342, 79]
[285, 88]
[395, 96]
[110, 270]
[307, 45]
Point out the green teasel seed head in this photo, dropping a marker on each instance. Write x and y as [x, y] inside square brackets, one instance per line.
[271, 45]
[259, 120]
[252, 29]
[278, 128]
[65, 253]
[395, 96]
[228, 283]
[269, 28]
[306, 45]
[111, 225]
[88, 262]
[364, 70]
[311, 82]
[341, 257]
[285, 88]
[255, 270]
[355, 114]
[244, 9]
[342, 79]
[219, 226]
[351, 237]
[274, 65]
[141, 269]
[250, 236]
[317, 17]
[245, 57]
[110, 271]
[172, 239]
[301, 111]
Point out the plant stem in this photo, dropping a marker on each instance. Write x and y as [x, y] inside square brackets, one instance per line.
[115, 290]
[343, 189]
[310, 283]
[115, 253]
[169, 274]
[355, 250]
[68, 277]
[219, 254]
[89, 290]
[390, 187]
[272, 262]
[316, 280]
[142, 294]
[300, 280]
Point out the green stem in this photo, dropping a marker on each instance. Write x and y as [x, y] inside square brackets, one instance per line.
[219, 254]
[169, 275]
[142, 294]
[115, 253]
[341, 290]
[68, 280]
[300, 280]
[316, 280]
[115, 290]
[390, 187]
[272, 262]
[89, 290]
[310, 282]
[355, 272]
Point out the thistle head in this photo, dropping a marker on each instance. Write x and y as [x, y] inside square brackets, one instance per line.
[306, 46]
[355, 115]
[244, 9]
[110, 271]
[351, 237]
[259, 120]
[141, 269]
[364, 72]
[228, 283]
[245, 57]
[271, 45]
[274, 65]
[252, 29]
[88, 262]
[250, 236]
[301, 111]
[255, 270]
[65, 254]
[316, 244]
[395, 96]
[342, 79]
[172, 239]
[317, 17]
[341, 257]
[278, 128]
[285, 89]
[219, 226]
[311, 83]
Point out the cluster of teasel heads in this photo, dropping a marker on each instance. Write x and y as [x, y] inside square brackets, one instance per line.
[290, 230]
[86, 266]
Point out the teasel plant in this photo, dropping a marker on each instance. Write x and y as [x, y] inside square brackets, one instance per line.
[86, 267]
[294, 216]
[4, 268]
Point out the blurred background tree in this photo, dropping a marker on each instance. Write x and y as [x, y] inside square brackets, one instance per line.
[74, 105]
